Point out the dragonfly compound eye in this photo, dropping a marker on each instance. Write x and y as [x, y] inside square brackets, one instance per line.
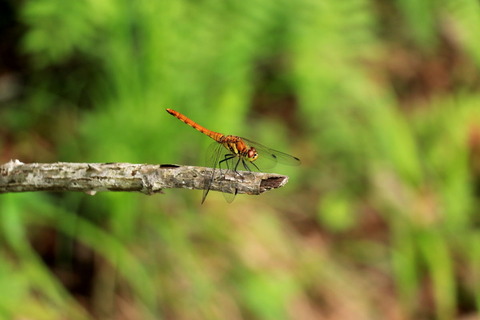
[252, 154]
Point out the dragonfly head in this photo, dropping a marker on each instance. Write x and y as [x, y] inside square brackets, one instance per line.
[252, 154]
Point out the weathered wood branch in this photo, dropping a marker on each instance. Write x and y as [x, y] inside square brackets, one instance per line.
[16, 176]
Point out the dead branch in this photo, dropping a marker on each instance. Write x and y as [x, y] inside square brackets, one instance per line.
[16, 176]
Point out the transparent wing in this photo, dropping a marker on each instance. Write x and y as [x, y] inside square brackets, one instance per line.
[221, 160]
[211, 160]
[268, 158]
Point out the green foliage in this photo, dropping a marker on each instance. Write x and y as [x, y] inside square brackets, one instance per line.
[378, 99]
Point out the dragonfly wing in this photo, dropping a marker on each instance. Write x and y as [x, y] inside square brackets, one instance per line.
[229, 197]
[211, 160]
[229, 163]
[271, 155]
[220, 160]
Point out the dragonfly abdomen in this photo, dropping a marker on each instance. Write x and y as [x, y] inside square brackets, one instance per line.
[212, 134]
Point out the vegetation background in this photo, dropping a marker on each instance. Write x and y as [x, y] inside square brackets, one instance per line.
[380, 100]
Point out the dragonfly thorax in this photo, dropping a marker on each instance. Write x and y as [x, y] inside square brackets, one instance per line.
[238, 147]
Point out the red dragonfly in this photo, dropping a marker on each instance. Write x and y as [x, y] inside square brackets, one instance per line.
[238, 151]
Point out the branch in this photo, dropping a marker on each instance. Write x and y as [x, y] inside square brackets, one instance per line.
[16, 176]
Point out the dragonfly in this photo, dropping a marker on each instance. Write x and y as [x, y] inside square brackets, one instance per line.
[233, 151]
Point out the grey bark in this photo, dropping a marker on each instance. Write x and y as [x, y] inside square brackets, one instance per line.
[16, 176]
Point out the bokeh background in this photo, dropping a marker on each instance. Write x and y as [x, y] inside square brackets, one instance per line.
[380, 100]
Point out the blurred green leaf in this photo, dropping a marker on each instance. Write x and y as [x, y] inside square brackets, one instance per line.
[378, 99]
[336, 213]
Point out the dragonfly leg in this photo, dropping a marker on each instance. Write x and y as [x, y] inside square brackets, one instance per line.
[225, 160]
[236, 167]
[256, 166]
[245, 165]
[220, 164]
[239, 174]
